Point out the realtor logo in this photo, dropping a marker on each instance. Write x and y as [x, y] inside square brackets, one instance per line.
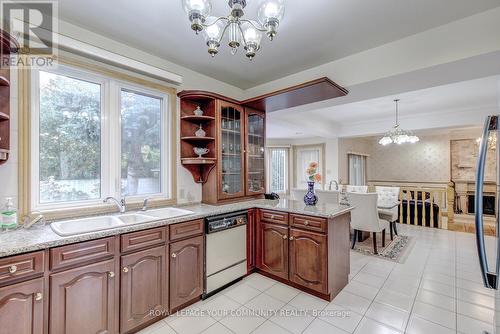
[33, 25]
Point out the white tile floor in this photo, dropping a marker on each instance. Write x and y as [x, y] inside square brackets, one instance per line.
[437, 290]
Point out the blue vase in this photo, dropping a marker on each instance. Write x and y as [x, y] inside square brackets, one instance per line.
[310, 197]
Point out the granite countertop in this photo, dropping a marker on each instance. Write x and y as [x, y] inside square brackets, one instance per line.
[42, 236]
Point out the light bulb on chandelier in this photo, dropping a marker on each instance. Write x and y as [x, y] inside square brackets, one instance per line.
[240, 31]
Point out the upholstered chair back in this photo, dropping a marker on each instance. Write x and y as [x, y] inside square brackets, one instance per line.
[364, 216]
[356, 189]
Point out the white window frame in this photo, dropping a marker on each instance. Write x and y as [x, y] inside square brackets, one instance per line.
[110, 138]
[287, 168]
[321, 163]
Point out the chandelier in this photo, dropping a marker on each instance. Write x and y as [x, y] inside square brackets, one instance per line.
[398, 135]
[492, 141]
[240, 31]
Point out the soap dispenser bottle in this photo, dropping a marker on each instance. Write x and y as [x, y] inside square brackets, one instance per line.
[9, 215]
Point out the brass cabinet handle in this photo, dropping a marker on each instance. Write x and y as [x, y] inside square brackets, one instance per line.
[125, 269]
[12, 269]
[272, 216]
[38, 296]
[306, 223]
[285, 237]
[291, 238]
[174, 255]
[111, 274]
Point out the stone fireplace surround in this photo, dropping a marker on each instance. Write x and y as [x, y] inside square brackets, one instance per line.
[465, 190]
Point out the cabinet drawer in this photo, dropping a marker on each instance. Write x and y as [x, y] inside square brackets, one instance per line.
[309, 223]
[275, 217]
[21, 266]
[141, 239]
[83, 252]
[187, 229]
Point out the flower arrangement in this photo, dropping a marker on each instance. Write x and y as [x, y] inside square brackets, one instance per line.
[312, 172]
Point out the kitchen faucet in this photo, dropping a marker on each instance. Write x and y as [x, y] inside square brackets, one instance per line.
[120, 204]
[336, 185]
[145, 204]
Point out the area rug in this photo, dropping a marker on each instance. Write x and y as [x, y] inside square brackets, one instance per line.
[396, 250]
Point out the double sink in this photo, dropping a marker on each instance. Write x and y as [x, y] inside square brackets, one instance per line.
[99, 223]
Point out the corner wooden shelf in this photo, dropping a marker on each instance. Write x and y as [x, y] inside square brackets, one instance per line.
[197, 119]
[200, 168]
[197, 139]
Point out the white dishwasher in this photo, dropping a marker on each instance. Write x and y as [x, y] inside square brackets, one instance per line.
[226, 251]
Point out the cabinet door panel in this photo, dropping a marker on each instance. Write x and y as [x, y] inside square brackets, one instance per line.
[21, 308]
[83, 300]
[231, 151]
[143, 287]
[255, 134]
[186, 271]
[308, 259]
[273, 252]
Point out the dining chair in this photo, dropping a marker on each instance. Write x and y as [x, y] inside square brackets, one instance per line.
[356, 189]
[388, 195]
[364, 217]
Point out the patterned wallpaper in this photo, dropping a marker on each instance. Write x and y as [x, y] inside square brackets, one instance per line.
[425, 161]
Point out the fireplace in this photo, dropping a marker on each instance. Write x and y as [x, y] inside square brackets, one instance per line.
[489, 203]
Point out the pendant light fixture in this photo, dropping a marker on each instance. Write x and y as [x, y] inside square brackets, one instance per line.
[398, 135]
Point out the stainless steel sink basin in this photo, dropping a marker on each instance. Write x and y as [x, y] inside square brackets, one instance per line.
[135, 218]
[86, 225]
[166, 213]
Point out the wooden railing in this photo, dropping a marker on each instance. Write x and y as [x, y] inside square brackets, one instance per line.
[411, 195]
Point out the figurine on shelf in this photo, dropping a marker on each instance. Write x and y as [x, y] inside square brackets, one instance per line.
[198, 111]
[200, 132]
[200, 151]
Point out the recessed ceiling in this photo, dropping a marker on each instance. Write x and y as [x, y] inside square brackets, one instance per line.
[450, 102]
[313, 32]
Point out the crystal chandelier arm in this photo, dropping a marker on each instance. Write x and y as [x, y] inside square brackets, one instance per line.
[242, 34]
[221, 18]
[257, 27]
[223, 33]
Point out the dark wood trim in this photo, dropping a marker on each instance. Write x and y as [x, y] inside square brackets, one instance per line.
[203, 95]
[308, 92]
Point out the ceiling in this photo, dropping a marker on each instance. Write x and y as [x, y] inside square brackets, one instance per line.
[452, 104]
[313, 32]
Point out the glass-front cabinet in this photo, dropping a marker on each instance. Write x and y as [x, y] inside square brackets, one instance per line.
[255, 148]
[231, 151]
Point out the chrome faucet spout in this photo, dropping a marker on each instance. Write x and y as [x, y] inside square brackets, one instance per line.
[145, 204]
[336, 185]
[119, 203]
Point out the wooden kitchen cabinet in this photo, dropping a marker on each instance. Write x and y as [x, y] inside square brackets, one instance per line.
[85, 299]
[251, 240]
[233, 167]
[186, 271]
[308, 259]
[255, 139]
[272, 249]
[144, 287]
[21, 308]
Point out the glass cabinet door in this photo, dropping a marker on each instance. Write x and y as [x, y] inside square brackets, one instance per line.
[255, 143]
[231, 151]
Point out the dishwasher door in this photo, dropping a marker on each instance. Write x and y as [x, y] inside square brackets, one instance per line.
[226, 257]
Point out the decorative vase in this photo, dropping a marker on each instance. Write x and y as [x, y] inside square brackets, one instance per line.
[198, 111]
[310, 197]
[200, 132]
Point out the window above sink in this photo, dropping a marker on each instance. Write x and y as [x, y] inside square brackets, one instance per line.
[96, 134]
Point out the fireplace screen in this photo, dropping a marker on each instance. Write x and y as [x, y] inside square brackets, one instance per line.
[488, 205]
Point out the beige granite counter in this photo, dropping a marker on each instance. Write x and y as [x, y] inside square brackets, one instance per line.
[42, 236]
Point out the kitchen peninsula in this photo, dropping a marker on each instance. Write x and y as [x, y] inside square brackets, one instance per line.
[62, 280]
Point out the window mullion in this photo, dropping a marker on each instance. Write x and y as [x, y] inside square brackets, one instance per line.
[112, 157]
